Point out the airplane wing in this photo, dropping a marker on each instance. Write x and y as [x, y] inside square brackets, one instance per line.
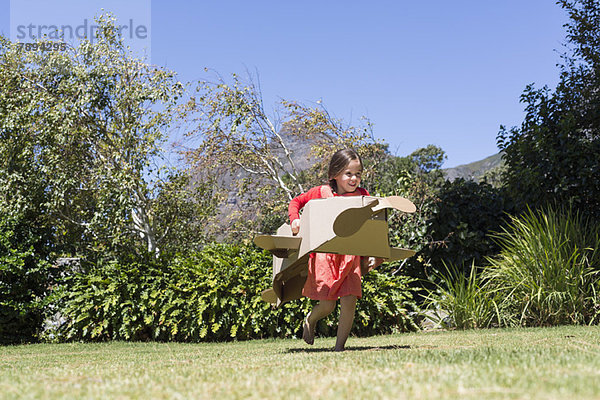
[279, 245]
[269, 296]
[400, 254]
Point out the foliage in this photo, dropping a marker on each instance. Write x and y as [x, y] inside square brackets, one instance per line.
[466, 214]
[548, 271]
[195, 298]
[84, 128]
[24, 280]
[494, 176]
[467, 299]
[210, 295]
[387, 305]
[183, 212]
[552, 157]
[395, 174]
[81, 135]
[263, 163]
[544, 272]
[414, 177]
[453, 219]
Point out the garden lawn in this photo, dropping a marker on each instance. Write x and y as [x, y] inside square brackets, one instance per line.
[560, 363]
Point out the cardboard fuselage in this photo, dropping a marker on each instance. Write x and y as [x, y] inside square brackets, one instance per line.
[317, 236]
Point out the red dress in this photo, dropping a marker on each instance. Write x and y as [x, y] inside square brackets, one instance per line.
[330, 276]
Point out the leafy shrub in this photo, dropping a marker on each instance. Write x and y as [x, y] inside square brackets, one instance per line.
[211, 295]
[466, 214]
[387, 304]
[548, 269]
[411, 230]
[24, 280]
[452, 225]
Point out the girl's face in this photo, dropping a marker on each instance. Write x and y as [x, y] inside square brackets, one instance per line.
[349, 179]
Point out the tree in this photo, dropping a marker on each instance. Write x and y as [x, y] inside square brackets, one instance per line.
[267, 162]
[397, 172]
[553, 157]
[82, 168]
[453, 219]
[416, 177]
[84, 129]
[183, 211]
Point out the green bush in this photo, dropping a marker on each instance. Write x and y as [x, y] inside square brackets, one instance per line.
[387, 305]
[24, 281]
[452, 225]
[548, 269]
[208, 296]
[466, 215]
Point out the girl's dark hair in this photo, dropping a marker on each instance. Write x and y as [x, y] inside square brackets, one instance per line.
[339, 162]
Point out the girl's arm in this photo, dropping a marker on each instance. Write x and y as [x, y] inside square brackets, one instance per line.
[298, 204]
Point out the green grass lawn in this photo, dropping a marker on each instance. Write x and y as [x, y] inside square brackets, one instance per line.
[560, 363]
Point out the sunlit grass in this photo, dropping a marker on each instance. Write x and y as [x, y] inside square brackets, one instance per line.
[545, 363]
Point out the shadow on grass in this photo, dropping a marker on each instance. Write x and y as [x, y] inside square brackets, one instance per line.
[351, 348]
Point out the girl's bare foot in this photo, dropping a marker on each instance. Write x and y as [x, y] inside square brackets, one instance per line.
[308, 332]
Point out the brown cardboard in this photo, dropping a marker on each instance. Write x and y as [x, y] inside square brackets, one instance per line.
[370, 239]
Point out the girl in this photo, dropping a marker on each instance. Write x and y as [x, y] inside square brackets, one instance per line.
[333, 276]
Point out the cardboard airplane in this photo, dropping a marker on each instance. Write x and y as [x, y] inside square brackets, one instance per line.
[353, 225]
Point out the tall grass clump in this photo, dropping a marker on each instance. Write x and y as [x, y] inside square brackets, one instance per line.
[468, 300]
[547, 271]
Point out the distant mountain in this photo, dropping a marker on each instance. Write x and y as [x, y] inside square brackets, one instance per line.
[475, 170]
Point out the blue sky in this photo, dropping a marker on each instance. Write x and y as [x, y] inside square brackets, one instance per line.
[436, 72]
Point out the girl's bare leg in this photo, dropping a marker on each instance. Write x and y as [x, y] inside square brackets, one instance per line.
[347, 308]
[321, 310]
